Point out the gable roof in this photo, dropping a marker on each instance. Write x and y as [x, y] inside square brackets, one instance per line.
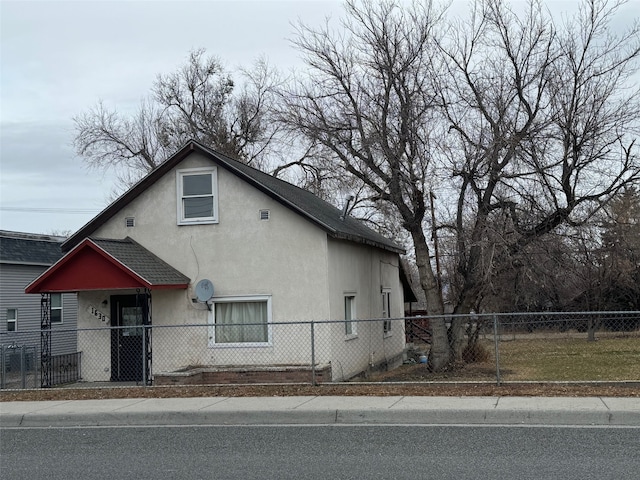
[306, 204]
[107, 264]
[138, 259]
[29, 248]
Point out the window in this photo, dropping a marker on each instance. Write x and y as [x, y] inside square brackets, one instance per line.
[349, 315]
[197, 196]
[386, 310]
[12, 319]
[243, 321]
[56, 308]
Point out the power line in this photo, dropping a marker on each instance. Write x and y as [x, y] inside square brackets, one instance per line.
[77, 211]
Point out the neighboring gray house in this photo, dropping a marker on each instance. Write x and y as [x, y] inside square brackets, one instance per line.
[269, 253]
[23, 257]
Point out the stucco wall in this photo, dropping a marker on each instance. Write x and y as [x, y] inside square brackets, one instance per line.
[283, 257]
[363, 272]
[94, 338]
[287, 259]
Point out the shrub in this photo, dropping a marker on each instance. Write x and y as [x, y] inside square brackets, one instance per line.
[475, 353]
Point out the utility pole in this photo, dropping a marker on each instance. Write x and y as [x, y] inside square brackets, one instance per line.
[434, 239]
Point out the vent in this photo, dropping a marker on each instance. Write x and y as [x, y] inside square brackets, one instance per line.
[130, 222]
[264, 214]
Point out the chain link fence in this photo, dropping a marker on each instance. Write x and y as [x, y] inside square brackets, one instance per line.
[536, 347]
[531, 347]
[18, 367]
[21, 359]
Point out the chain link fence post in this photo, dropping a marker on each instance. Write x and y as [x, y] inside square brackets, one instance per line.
[496, 342]
[144, 355]
[313, 355]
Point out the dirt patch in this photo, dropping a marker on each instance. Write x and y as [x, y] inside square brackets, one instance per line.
[473, 372]
[347, 389]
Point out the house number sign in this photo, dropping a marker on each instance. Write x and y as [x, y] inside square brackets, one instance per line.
[97, 313]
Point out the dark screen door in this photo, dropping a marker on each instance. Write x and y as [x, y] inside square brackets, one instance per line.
[126, 340]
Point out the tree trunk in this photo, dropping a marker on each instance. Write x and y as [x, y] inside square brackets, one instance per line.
[457, 340]
[439, 354]
[466, 303]
[592, 326]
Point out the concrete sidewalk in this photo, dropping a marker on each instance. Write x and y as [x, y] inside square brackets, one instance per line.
[323, 410]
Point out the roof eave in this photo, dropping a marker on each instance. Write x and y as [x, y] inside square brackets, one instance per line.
[29, 264]
[169, 286]
[366, 241]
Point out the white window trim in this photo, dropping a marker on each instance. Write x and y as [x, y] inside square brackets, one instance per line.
[354, 316]
[14, 320]
[214, 193]
[386, 315]
[61, 308]
[232, 299]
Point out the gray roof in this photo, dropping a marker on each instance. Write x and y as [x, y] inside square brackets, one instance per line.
[313, 208]
[29, 249]
[141, 261]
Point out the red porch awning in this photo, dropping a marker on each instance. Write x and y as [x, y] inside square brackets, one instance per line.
[108, 264]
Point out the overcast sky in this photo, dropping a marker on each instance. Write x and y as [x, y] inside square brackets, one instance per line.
[58, 58]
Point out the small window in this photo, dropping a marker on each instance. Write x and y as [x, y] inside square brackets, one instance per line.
[56, 308]
[241, 321]
[386, 310]
[130, 222]
[197, 196]
[12, 319]
[350, 315]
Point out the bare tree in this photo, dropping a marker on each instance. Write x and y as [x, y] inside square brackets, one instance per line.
[367, 108]
[542, 128]
[620, 252]
[198, 101]
[523, 124]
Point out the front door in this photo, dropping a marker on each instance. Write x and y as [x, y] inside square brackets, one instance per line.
[126, 340]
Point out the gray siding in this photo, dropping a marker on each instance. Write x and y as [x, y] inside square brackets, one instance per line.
[13, 279]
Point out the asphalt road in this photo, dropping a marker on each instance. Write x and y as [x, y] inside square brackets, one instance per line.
[321, 452]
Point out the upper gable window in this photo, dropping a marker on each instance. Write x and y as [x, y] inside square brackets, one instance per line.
[197, 196]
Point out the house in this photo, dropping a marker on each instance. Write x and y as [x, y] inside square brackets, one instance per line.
[204, 240]
[23, 257]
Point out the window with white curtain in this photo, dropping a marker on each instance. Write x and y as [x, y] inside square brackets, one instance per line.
[241, 321]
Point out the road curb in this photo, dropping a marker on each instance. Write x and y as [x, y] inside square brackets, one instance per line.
[325, 417]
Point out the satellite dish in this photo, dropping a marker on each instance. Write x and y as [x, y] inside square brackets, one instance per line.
[204, 290]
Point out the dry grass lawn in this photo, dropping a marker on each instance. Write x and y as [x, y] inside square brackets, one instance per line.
[571, 359]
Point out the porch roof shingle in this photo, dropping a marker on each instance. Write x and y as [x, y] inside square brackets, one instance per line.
[141, 261]
[108, 264]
